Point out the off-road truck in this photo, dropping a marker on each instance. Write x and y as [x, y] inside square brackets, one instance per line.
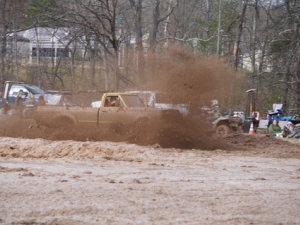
[127, 108]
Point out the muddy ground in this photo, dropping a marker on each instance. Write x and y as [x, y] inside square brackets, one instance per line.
[48, 177]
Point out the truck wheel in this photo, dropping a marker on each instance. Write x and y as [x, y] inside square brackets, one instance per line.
[222, 131]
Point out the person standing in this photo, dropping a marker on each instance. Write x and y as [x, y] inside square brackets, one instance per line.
[30, 101]
[41, 101]
[18, 100]
[30, 104]
[18, 103]
[274, 128]
[2, 104]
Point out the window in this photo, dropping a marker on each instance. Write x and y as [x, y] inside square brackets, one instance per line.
[133, 101]
[50, 52]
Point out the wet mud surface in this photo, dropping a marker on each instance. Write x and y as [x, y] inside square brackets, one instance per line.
[77, 176]
[256, 181]
[177, 137]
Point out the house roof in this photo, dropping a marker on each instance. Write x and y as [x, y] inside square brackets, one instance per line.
[47, 34]
[19, 38]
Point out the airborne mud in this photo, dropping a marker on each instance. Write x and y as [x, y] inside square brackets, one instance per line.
[185, 78]
[175, 173]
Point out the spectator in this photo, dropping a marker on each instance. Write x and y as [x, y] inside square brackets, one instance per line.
[41, 101]
[290, 126]
[2, 104]
[18, 100]
[296, 132]
[30, 103]
[274, 128]
[288, 129]
[214, 112]
[1, 98]
[18, 103]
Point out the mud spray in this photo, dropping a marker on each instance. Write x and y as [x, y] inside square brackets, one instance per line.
[186, 78]
[189, 78]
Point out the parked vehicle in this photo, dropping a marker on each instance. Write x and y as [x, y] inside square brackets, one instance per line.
[53, 97]
[27, 88]
[12, 89]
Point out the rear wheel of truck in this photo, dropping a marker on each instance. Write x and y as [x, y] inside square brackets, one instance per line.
[222, 131]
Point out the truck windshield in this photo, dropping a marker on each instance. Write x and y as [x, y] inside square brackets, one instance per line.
[133, 101]
[15, 88]
[34, 89]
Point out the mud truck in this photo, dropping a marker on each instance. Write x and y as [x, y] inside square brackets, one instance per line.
[115, 108]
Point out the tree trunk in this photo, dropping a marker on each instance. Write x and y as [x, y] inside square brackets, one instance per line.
[255, 18]
[105, 67]
[263, 51]
[116, 70]
[240, 31]
[296, 67]
[3, 47]
[154, 31]
[92, 66]
[139, 40]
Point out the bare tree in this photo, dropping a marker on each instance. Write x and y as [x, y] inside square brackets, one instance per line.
[158, 18]
[239, 34]
[11, 20]
[138, 6]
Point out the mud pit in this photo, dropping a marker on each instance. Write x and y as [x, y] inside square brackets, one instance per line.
[250, 179]
[174, 176]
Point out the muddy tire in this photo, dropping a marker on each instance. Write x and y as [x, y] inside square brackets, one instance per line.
[222, 131]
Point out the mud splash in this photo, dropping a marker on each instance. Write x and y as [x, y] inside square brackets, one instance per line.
[185, 78]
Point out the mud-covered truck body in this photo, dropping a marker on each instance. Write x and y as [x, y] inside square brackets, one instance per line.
[127, 108]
